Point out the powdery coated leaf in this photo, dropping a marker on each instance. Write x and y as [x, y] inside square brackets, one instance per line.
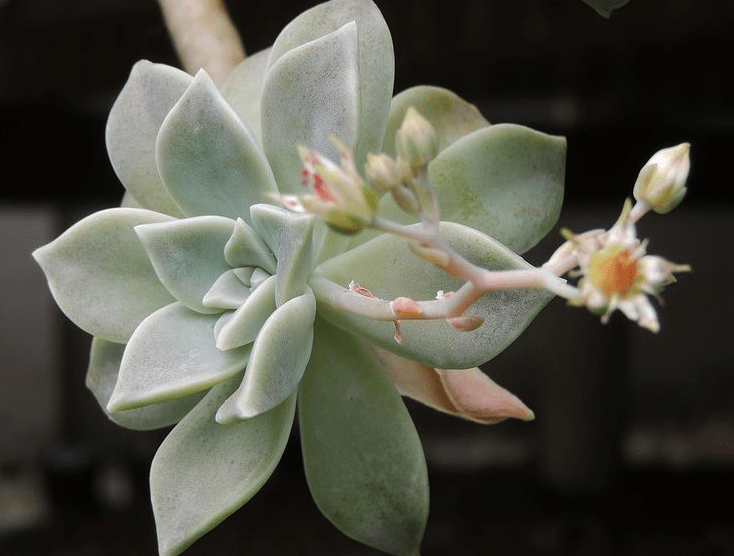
[209, 161]
[243, 87]
[451, 116]
[504, 180]
[289, 236]
[228, 292]
[241, 327]
[204, 471]
[363, 460]
[172, 354]
[188, 256]
[104, 366]
[279, 357]
[245, 248]
[605, 7]
[132, 128]
[386, 266]
[100, 275]
[375, 59]
[310, 93]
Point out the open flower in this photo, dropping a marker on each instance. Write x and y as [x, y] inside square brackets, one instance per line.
[198, 291]
[616, 272]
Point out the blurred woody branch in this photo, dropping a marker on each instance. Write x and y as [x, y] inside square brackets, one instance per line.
[204, 36]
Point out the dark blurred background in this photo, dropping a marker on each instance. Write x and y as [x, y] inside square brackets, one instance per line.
[632, 451]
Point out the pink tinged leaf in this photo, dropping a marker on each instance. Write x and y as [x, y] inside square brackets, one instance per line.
[466, 393]
[479, 398]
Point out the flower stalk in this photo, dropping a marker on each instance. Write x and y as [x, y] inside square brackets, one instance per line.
[616, 273]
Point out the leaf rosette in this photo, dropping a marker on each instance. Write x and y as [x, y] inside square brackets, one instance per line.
[197, 290]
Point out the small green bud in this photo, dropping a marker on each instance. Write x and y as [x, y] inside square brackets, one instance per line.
[416, 141]
[384, 173]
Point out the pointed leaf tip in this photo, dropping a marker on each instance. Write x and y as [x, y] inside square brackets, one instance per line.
[99, 273]
[465, 393]
[279, 357]
[208, 159]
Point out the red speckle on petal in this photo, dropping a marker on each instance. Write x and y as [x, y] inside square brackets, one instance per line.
[321, 189]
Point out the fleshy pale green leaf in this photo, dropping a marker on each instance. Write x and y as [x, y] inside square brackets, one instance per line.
[605, 7]
[243, 87]
[241, 327]
[228, 292]
[188, 255]
[363, 460]
[172, 354]
[375, 60]
[244, 274]
[278, 359]
[209, 161]
[289, 236]
[450, 115]
[504, 180]
[132, 128]
[104, 366]
[387, 267]
[310, 93]
[204, 471]
[100, 275]
[328, 242]
[245, 248]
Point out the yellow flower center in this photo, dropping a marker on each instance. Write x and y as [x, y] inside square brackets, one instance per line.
[614, 271]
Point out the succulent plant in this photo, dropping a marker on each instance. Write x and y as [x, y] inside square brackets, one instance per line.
[216, 309]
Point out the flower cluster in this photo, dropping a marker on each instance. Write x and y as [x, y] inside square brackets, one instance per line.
[616, 272]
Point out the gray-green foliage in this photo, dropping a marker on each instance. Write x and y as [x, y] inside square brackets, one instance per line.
[199, 296]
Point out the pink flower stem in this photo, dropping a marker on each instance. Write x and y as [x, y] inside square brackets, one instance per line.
[479, 281]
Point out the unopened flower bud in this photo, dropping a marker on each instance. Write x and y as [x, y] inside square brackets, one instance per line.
[384, 173]
[416, 141]
[337, 219]
[338, 196]
[661, 182]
